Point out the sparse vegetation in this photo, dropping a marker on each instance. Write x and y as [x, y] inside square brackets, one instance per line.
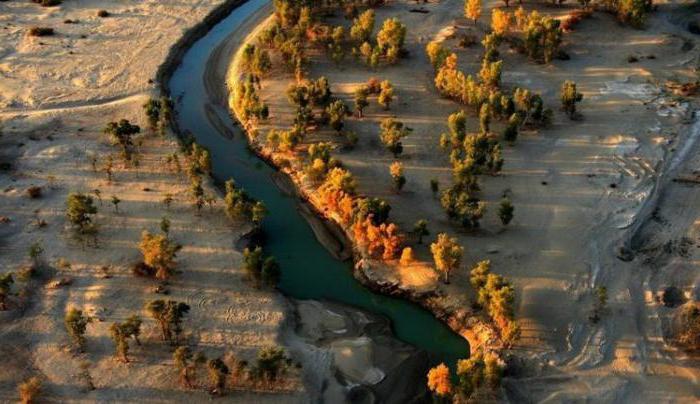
[76, 325]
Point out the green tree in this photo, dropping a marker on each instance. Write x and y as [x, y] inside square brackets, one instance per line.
[35, 251]
[152, 110]
[258, 212]
[165, 225]
[116, 201]
[80, 208]
[361, 102]
[76, 325]
[169, 315]
[336, 111]
[121, 134]
[505, 211]
[420, 229]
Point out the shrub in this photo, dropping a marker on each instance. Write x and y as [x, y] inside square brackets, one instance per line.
[34, 192]
[41, 31]
[103, 14]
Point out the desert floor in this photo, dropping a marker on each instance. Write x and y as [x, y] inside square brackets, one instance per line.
[581, 190]
[56, 95]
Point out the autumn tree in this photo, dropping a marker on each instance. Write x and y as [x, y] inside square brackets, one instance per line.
[396, 171]
[391, 133]
[169, 315]
[390, 39]
[437, 53]
[447, 254]
[420, 229]
[472, 9]
[439, 381]
[76, 325]
[505, 211]
[159, 253]
[362, 27]
[500, 21]
[79, 210]
[633, 12]
[569, 97]
[386, 95]
[457, 126]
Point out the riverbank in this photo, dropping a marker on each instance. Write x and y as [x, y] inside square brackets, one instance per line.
[578, 188]
[371, 273]
[56, 95]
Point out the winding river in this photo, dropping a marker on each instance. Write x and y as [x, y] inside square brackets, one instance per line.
[309, 271]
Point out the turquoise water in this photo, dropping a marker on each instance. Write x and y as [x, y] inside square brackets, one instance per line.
[308, 270]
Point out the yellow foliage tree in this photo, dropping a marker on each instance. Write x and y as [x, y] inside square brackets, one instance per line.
[447, 254]
[158, 253]
[472, 9]
[500, 21]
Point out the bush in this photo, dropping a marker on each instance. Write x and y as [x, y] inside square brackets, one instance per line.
[103, 14]
[41, 31]
[34, 192]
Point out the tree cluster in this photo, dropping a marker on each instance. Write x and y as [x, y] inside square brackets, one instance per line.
[260, 269]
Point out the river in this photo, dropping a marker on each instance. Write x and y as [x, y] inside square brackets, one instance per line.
[308, 269]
